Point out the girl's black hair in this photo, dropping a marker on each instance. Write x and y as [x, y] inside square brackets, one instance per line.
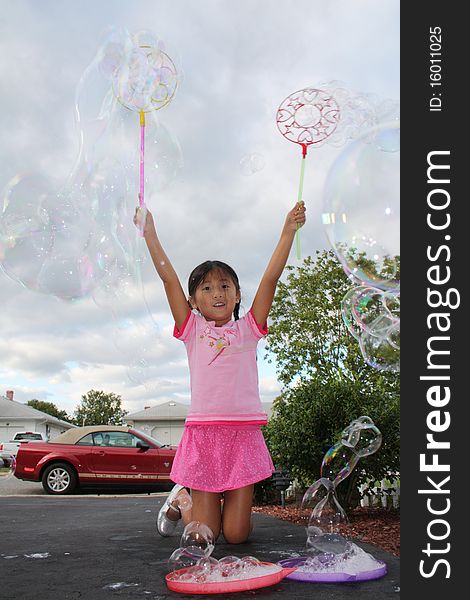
[199, 273]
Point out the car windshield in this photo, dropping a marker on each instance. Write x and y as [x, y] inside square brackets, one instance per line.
[28, 436]
[151, 439]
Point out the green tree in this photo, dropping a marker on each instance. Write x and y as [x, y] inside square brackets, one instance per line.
[49, 408]
[308, 419]
[308, 335]
[326, 382]
[99, 408]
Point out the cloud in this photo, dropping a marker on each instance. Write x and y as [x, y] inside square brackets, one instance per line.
[238, 60]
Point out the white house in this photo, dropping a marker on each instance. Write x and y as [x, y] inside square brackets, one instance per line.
[165, 422]
[15, 416]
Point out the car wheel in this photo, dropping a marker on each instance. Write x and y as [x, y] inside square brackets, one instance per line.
[59, 478]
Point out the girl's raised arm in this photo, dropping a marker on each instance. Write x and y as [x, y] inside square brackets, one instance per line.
[174, 292]
[267, 287]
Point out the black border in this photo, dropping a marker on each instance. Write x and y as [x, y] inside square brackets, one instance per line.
[424, 131]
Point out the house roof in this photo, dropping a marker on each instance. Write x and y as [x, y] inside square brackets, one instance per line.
[10, 409]
[172, 410]
[166, 410]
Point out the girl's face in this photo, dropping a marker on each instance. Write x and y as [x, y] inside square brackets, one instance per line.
[215, 297]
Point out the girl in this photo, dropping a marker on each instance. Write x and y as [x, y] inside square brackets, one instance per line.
[222, 453]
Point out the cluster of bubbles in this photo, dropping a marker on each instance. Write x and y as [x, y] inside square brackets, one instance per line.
[326, 548]
[7, 466]
[76, 239]
[192, 561]
[361, 218]
[349, 559]
[360, 112]
[372, 317]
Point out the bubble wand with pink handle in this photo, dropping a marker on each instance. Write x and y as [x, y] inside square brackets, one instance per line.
[307, 117]
[145, 81]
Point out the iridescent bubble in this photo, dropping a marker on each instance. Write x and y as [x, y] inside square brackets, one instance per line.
[200, 535]
[328, 514]
[138, 370]
[134, 337]
[7, 466]
[251, 163]
[349, 312]
[230, 567]
[249, 562]
[316, 492]
[373, 313]
[361, 210]
[362, 436]
[163, 155]
[387, 138]
[307, 115]
[370, 312]
[146, 79]
[338, 463]
[26, 233]
[208, 564]
[68, 277]
[379, 353]
[181, 558]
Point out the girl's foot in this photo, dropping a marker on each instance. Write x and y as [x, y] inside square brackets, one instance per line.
[170, 513]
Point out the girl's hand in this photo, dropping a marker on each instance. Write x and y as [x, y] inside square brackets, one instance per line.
[147, 227]
[295, 217]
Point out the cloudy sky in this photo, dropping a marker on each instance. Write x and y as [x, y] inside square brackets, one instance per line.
[237, 62]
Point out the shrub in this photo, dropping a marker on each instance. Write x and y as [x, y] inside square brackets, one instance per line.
[308, 419]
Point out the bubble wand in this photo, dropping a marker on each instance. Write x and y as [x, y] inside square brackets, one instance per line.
[307, 117]
[145, 81]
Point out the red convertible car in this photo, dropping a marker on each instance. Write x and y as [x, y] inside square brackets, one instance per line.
[96, 455]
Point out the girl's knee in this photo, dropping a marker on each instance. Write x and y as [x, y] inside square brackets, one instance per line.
[235, 535]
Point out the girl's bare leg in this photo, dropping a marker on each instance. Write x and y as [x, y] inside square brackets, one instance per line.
[236, 515]
[206, 508]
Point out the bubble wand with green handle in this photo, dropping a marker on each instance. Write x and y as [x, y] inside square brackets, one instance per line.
[307, 117]
[299, 196]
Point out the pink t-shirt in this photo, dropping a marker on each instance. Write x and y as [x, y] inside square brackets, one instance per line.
[223, 370]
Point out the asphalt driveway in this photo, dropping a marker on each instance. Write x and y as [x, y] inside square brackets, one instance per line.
[93, 548]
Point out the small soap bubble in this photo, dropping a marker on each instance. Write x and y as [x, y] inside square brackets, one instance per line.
[307, 115]
[251, 163]
[199, 535]
[229, 566]
[182, 558]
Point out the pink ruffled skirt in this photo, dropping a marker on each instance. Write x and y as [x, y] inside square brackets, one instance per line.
[217, 458]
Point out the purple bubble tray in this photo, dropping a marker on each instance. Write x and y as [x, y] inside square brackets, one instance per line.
[323, 577]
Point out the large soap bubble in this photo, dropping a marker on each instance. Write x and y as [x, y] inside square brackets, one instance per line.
[26, 233]
[146, 78]
[359, 439]
[330, 556]
[200, 535]
[361, 208]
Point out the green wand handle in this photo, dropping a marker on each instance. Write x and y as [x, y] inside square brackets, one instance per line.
[299, 196]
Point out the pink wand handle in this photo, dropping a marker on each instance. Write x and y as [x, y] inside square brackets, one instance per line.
[141, 213]
[142, 157]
